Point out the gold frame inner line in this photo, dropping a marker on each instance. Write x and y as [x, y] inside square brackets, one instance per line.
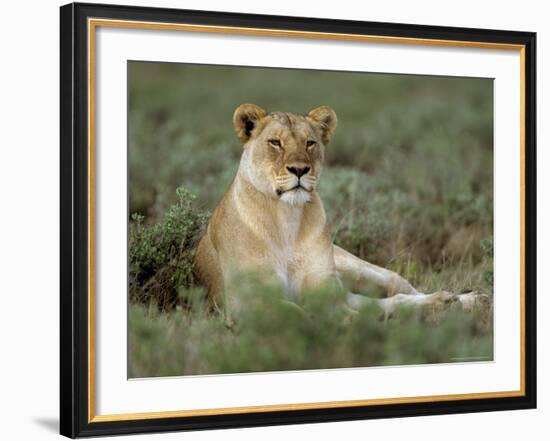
[92, 25]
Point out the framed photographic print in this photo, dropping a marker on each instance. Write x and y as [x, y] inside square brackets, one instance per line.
[273, 220]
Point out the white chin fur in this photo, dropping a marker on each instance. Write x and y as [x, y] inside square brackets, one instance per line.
[296, 197]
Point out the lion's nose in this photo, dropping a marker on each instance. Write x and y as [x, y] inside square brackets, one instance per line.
[298, 171]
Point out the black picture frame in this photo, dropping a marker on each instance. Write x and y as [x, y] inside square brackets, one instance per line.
[74, 325]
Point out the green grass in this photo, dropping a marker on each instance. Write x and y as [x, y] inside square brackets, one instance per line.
[272, 335]
[407, 185]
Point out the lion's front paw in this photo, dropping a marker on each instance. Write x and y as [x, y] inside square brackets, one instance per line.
[473, 300]
[434, 306]
[438, 303]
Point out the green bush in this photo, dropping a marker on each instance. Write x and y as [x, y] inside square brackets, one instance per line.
[161, 255]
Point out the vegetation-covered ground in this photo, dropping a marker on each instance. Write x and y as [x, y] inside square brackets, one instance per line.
[407, 185]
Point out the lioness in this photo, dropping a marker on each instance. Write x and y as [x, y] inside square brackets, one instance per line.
[272, 220]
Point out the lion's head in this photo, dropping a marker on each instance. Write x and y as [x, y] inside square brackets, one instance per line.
[283, 152]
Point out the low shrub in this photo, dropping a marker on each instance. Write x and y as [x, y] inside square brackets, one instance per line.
[161, 254]
[273, 335]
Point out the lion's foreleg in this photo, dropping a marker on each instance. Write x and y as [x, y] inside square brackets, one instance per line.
[436, 302]
[361, 275]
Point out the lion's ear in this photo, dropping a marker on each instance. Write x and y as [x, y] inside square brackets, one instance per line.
[326, 118]
[245, 118]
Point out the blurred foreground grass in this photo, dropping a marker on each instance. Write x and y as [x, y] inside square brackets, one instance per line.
[407, 185]
[273, 336]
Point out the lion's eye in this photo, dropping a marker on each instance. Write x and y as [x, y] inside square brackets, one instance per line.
[274, 142]
[310, 143]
